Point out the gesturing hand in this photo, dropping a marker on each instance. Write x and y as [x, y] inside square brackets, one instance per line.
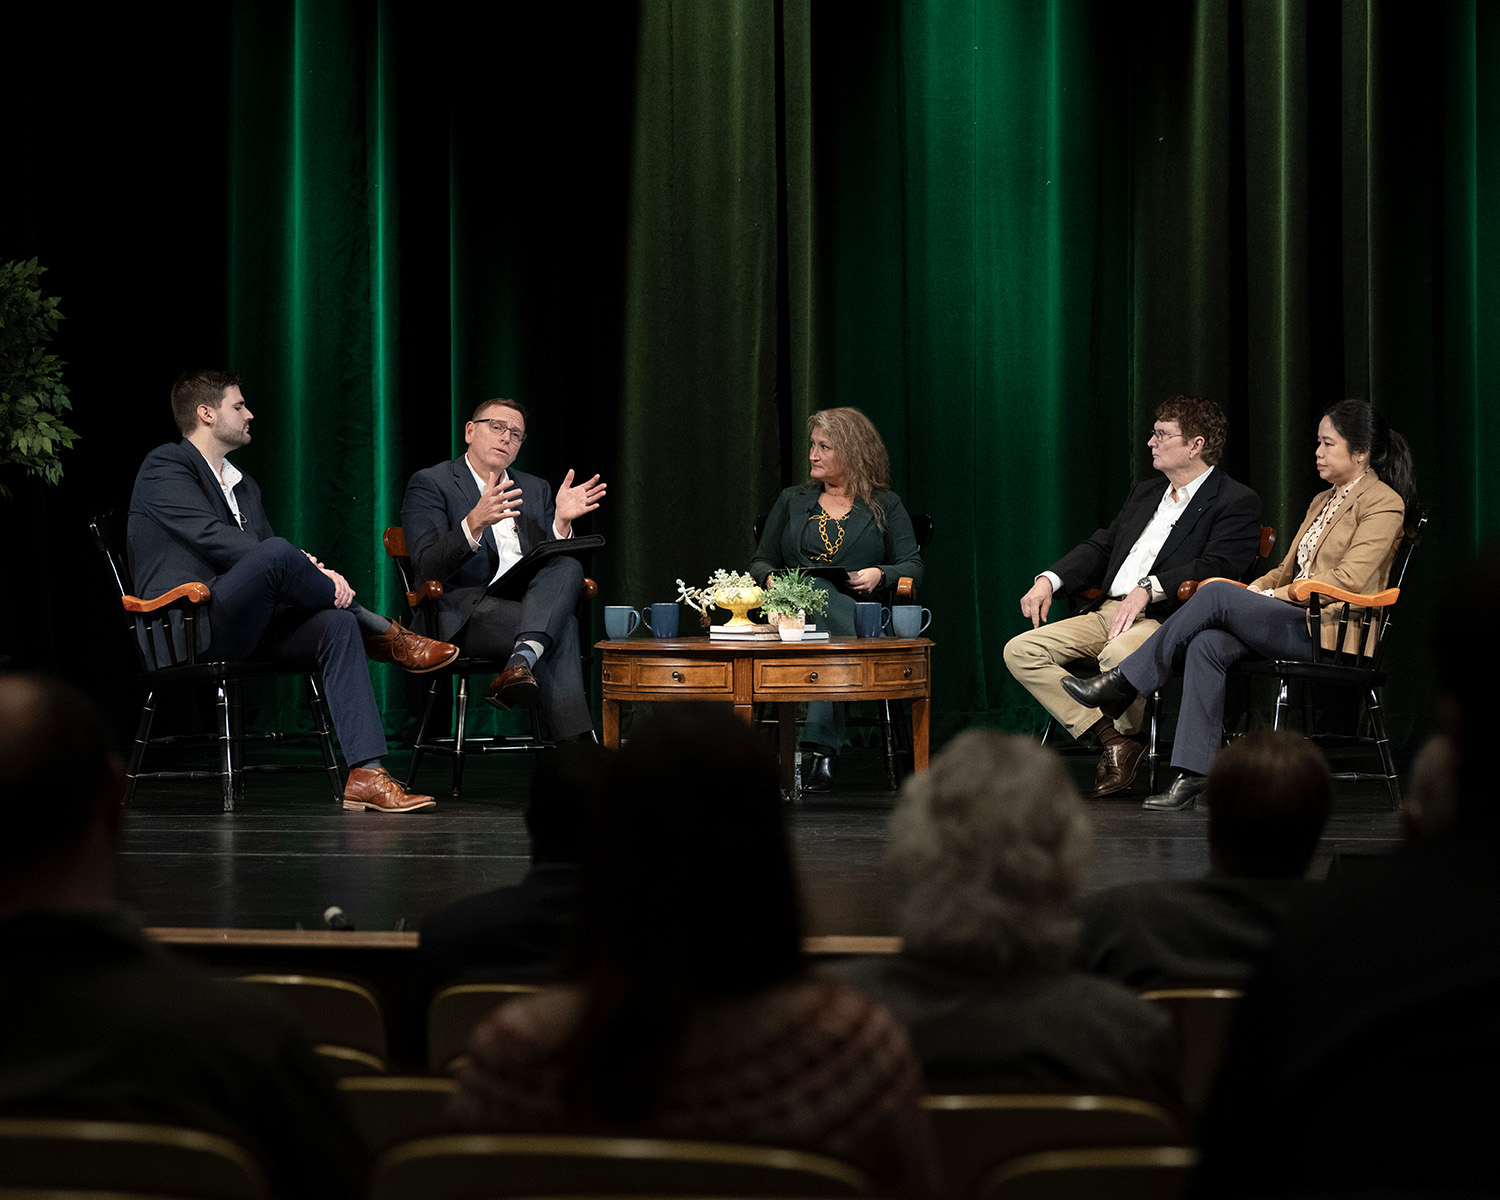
[573, 500]
[494, 505]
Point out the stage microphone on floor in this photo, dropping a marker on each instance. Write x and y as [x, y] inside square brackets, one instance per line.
[334, 918]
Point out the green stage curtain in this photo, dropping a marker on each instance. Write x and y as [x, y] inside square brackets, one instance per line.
[1006, 231]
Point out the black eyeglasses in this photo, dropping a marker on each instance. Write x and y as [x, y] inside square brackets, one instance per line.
[501, 429]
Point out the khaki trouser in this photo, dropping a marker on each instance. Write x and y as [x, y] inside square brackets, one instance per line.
[1038, 657]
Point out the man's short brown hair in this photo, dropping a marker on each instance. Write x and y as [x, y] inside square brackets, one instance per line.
[199, 387]
[1198, 416]
[499, 402]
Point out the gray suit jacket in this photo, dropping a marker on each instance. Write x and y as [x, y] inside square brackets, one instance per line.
[437, 500]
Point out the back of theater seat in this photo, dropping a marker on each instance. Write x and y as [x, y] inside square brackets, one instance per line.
[388, 1109]
[467, 1166]
[1120, 1173]
[344, 1019]
[454, 1012]
[972, 1133]
[54, 1156]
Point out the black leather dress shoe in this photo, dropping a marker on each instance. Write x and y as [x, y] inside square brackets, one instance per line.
[819, 777]
[1181, 794]
[1110, 693]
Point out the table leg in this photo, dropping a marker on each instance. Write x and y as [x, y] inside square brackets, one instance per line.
[786, 744]
[612, 724]
[919, 733]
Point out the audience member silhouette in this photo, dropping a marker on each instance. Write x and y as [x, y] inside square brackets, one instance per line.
[1269, 796]
[1430, 795]
[522, 931]
[688, 1012]
[987, 848]
[102, 1023]
[1363, 1053]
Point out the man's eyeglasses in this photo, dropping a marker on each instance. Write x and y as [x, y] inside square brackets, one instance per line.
[501, 429]
[1162, 435]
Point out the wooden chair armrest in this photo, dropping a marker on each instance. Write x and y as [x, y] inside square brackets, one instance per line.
[430, 590]
[1304, 588]
[590, 588]
[1187, 587]
[193, 593]
[905, 589]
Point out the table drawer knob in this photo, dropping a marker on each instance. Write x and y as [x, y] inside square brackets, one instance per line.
[676, 676]
[606, 677]
[813, 678]
[906, 674]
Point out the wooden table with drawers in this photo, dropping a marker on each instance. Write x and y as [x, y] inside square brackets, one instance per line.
[745, 673]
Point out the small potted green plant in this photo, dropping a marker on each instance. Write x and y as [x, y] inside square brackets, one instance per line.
[788, 598]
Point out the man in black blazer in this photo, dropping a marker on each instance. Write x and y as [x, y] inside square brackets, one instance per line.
[469, 521]
[1201, 524]
[194, 516]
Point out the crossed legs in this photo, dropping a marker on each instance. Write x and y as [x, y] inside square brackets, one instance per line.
[1220, 625]
[275, 604]
[1038, 659]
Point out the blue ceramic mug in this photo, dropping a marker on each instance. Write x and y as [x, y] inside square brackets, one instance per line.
[869, 618]
[909, 620]
[661, 620]
[620, 621]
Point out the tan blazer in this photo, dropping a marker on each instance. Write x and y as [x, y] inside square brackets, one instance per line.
[1355, 552]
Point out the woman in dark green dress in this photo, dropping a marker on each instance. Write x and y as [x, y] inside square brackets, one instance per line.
[843, 516]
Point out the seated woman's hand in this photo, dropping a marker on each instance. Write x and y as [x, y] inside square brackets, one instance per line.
[865, 581]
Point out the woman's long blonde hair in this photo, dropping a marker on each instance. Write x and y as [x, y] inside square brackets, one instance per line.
[867, 467]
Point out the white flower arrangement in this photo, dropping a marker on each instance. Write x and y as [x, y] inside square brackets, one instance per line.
[702, 599]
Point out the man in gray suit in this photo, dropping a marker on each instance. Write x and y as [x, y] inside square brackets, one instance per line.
[467, 522]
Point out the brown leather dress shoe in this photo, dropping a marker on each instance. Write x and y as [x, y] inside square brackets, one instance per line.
[514, 687]
[409, 651]
[374, 787]
[1117, 765]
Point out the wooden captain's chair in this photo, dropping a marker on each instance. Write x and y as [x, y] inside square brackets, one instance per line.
[1355, 666]
[165, 635]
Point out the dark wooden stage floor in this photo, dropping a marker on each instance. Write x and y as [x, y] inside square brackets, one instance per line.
[288, 851]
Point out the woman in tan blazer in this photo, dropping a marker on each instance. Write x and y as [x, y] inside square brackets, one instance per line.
[1348, 539]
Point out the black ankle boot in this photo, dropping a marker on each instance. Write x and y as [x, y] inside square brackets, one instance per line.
[819, 776]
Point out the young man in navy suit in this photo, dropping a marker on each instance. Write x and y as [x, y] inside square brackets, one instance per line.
[195, 516]
[1202, 524]
[469, 521]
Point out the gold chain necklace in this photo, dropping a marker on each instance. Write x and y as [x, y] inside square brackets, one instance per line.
[832, 547]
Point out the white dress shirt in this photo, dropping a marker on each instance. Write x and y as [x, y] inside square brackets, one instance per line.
[1149, 544]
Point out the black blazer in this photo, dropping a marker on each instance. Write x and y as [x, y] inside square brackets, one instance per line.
[1219, 534]
[437, 500]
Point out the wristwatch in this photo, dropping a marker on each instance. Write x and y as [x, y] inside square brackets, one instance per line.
[1144, 582]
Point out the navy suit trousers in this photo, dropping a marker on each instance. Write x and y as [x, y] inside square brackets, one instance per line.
[275, 605]
[1220, 625]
